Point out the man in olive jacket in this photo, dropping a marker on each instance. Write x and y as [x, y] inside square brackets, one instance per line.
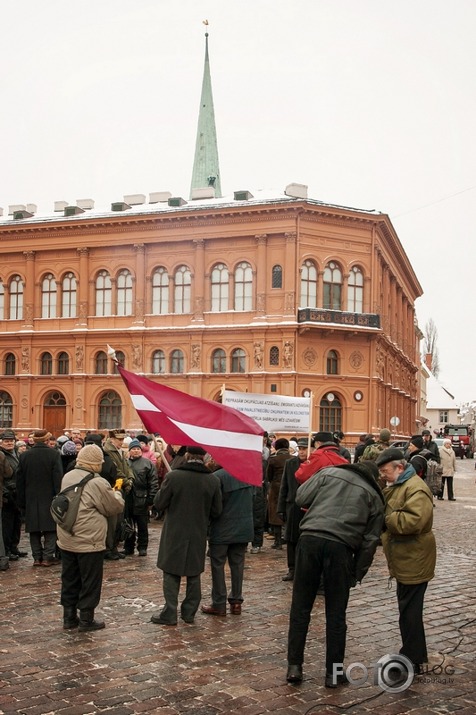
[190, 497]
[409, 546]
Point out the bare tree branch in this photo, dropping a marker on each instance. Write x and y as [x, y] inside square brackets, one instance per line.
[430, 346]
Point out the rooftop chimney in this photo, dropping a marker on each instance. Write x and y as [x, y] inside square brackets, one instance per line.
[208, 192]
[134, 199]
[60, 205]
[85, 203]
[157, 197]
[296, 191]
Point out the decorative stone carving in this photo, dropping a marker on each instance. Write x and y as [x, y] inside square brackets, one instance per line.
[288, 354]
[25, 359]
[196, 354]
[79, 358]
[356, 359]
[136, 356]
[258, 355]
[309, 357]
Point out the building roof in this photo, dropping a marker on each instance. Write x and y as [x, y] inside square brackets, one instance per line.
[438, 397]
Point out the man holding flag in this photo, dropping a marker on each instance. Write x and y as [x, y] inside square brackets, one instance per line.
[190, 497]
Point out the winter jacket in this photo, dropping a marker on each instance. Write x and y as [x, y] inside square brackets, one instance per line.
[324, 456]
[344, 503]
[274, 475]
[98, 501]
[190, 497]
[448, 461]
[235, 523]
[39, 475]
[10, 480]
[5, 472]
[408, 541]
[124, 471]
[287, 500]
[144, 487]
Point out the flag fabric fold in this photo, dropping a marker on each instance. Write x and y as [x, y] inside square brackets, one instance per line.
[233, 439]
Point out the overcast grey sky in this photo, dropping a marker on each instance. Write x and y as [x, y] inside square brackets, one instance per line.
[371, 103]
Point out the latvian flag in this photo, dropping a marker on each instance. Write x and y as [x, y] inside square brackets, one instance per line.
[233, 439]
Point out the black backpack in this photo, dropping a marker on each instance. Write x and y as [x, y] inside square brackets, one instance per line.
[65, 505]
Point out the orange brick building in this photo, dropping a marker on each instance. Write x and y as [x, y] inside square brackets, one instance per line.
[261, 293]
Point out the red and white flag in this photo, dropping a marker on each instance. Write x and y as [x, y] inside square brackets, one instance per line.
[233, 439]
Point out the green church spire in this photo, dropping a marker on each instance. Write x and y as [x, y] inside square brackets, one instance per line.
[206, 171]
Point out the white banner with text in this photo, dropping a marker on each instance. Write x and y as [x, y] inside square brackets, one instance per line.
[274, 413]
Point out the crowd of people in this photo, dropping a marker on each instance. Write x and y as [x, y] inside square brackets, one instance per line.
[329, 513]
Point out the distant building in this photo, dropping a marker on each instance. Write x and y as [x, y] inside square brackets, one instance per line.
[260, 292]
[441, 408]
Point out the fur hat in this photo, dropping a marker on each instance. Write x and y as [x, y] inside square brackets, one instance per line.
[90, 454]
[94, 438]
[392, 454]
[417, 440]
[196, 450]
[68, 448]
[385, 435]
[134, 443]
[323, 437]
[143, 438]
[303, 442]
[41, 435]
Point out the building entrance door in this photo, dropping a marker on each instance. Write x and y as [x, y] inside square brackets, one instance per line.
[54, 413]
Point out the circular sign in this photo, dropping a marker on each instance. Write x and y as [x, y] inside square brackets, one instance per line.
[330, 396]
[394, 421]
[358, 396]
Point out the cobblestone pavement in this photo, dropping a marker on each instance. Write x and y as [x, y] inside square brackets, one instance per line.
[236, 664]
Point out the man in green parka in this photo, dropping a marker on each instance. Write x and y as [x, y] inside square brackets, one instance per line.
[409, 546]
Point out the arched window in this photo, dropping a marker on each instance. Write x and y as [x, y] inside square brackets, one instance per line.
[10, 364]
[160, 291]
[219, 360]
[2, 300]
[274, 355]
[110, 411]
[63, 364]
[176, 361]
[308, 285]
[55, 399]
[6, 409]
[243, 287]
[355, 291]
[220, 285]
[69, 296]
[158, 362]
[100, 363]
[330, 414]
[16, 298]
[332, 284]
[183, 290]
[238, 360]
[48, 296]
[277, 277]
[124, 293]
[121, 359]
[332, 363]
[103, 294]
[46, 364]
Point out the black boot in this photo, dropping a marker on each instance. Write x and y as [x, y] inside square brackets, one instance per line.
[70, 617]
[87, 622]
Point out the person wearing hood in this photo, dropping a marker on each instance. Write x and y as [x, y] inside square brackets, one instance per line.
[82, 551]
[409, 547]
[326, 454]
[339, 534]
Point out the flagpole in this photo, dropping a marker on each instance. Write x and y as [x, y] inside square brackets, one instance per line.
[311, 405]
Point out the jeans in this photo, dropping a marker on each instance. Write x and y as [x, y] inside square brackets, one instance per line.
[219, 555]
[317, 557]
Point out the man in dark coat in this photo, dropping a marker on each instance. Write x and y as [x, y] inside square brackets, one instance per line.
[274, 475]
[290, 513]
[11, 517]
[140, 498]
[39, 477]
[229, 536]
[190, 497]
